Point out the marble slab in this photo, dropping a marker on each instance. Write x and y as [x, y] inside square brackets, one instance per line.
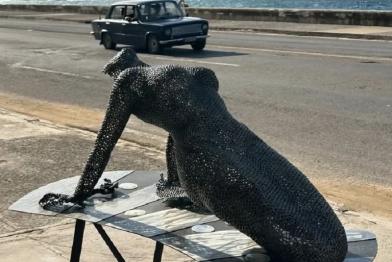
[210, 246]
[160, 222]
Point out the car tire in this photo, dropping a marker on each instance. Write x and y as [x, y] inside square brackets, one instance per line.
[108, 42]
[153, 46]
[198, 45]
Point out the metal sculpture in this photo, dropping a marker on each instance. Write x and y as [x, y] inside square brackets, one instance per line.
[216, 161]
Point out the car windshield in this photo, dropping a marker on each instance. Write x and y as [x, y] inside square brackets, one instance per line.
[159, 10]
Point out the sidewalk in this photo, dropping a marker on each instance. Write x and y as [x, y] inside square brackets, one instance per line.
[34, 152]
[325, 30]
[54, 243]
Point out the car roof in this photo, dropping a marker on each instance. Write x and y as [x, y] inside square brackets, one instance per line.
[136, 2]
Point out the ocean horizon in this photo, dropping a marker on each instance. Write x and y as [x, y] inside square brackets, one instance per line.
[291, 4]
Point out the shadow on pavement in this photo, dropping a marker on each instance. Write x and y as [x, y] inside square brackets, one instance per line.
[189, 53]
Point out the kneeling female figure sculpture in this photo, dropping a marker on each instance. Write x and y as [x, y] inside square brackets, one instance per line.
[216, 161]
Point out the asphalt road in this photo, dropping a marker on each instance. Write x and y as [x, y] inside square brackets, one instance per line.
[324, 103]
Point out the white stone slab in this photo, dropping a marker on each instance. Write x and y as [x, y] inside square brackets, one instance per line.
[135, 213]
[128, 186]
[29, 202]
[161, 222]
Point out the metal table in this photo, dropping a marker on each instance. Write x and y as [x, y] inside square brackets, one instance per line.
[165, 225]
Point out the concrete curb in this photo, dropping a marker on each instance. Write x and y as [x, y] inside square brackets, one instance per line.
[308, 16]
[304, 33]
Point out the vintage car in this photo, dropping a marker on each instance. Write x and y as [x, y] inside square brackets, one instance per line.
[150, 25]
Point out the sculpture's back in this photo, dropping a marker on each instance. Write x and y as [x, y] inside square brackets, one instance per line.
[225, 167]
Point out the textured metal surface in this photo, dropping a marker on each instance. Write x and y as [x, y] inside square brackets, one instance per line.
[186, 29]
[220, 164]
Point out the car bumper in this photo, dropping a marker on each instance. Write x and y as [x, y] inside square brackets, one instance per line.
[183, 40]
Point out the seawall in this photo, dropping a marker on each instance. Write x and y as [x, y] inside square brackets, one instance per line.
[342, 17]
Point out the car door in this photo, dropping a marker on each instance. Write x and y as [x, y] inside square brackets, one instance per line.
[114, 24]
[133, 30]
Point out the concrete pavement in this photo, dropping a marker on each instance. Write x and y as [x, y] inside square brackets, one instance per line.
[302, 29]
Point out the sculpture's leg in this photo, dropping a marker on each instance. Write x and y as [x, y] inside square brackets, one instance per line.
[172, 175]
[170, 187]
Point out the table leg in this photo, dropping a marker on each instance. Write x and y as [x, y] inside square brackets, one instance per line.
[158, 252]
[109, 243]
[77, 240]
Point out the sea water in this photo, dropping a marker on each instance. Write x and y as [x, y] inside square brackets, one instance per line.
[301, 4]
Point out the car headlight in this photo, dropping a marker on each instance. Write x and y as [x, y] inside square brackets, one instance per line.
[167, 31]
[204, 27]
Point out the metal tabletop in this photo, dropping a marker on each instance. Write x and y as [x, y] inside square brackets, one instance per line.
[166, 225]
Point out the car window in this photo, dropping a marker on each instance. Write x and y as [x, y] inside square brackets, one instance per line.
[130, 12]
[159, 10]
[172, 9]
[118, 12]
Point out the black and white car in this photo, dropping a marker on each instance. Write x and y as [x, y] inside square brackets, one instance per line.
[150, 25]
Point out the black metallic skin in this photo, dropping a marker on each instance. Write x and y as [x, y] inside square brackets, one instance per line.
[220, 164]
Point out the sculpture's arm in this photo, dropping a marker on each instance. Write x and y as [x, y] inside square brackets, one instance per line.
[116, 118]
[117, 114]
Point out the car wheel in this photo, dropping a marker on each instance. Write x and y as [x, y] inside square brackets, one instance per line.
[108, 42]
[153, 46]
[199, 45]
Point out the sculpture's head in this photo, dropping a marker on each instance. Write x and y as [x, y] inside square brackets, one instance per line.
[126, 58]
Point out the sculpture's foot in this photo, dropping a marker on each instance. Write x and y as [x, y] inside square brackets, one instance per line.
[169, 189]
[176, 197]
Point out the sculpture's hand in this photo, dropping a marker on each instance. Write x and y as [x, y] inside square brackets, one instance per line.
[52, 200]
